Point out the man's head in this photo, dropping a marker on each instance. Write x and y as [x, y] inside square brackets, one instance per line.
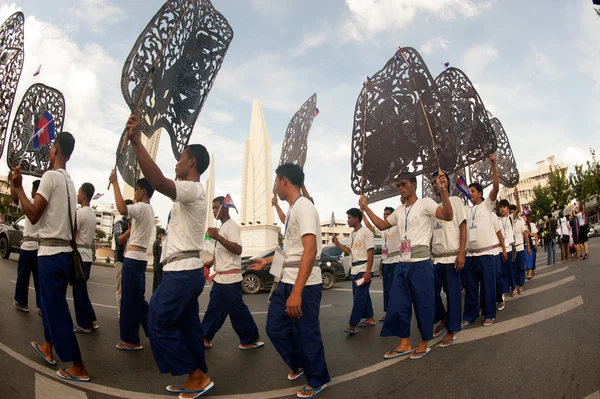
[387, 212]
[288, 177]
[434, 177]
[85, 193]
[63, 146]
[194, 161]
[560, 214]
[34, 187]
[549, 216]
[354, 217]
[127, 203]
[476, 193]
[143, 190]
[503, 206]
[512, 209]
[160, 233]
[406, 185]
[218, 209]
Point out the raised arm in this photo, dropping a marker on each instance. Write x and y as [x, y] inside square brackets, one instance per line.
[231, 246]
[443, 212]
[119, 201]
[280, 213]
[33, 211]
[380, 223]
[495, 180]
[13, 193]
[367, 224]
[341, 246]
[518, 205]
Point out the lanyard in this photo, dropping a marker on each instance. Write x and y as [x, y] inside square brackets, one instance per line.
[287, 219]
[473, 215]
[504, 224]
[406, 219]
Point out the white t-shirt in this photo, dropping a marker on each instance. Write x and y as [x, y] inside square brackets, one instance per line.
[479, 222]
[360, 243]
[225, 260]
[564, 227]
[55, 222]
[302, 219]
[446, 235]
[185, 231]
[414, 223]
[497, 227]
[86, 231]
[581, 218]
[30, 230]
[142, 229]
[507, 230]
[519, 230]
[391, 241]
[533, 228]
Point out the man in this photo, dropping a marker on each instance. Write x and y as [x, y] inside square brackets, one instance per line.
[508, 237]
[549, 238]
[156, 253]
[28, 257]
[480, 265]
[134, 308]
[390, 256]
[55, 195]
[174, 324]
[448, 249]
[86, 232]
[414, 281]
[521, 235]
[361, 261]
[293, 316]
[280, 212]
[121, 231]
[226, 293]
[565, 235]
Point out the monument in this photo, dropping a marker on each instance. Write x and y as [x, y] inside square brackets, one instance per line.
[210, 193]
[259, 234]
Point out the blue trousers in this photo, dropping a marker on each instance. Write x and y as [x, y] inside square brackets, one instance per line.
[84, 312]
[28, 265]
[414, 284]
[387, 274]
[134, 308]
[54, 274]
[480, 273]
[499, 282]
[226, 300]
[448, 278]
[550, 247]
[508, 274]
[298, 341]
[529, 259]
[174, 324]
[519, 268]
[362, 307]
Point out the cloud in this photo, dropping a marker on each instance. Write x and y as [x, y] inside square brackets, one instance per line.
[476, 58]
[97, 14]
[311, 40]
[222, 116]
[434, 44]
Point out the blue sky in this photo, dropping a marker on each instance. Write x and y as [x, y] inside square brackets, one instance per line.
[535, 65]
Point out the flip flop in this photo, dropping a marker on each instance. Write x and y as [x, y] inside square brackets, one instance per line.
[208, 346]
[294, 377]
[82, 330]
[126, 347]
[70, 377]
[382, 319]
[176, 388]
[363, 324]
[437, 333]
[419, 355]
[36, 348]
[501, 306]
[447, 342]
[200, 392]
[396, 353]
[95, 327]
[465, 323]
[350, 331]
[313, 391]
[487, 324]
[254, 346]
[20, 308]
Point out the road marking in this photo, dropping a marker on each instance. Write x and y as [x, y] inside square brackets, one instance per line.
[47, 388]
[543, 288]
[539, 276]
[595, 395]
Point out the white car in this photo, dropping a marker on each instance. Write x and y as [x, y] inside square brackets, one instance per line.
[334, 251]
[594, 230]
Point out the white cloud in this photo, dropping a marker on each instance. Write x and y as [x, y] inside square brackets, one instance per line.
[97, 14]
[476, 58]
[311, 40]
[433, 44]
[222, 116]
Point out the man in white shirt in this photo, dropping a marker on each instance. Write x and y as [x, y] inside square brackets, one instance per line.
[86, 232]
[414, 282]
[226, 293]
[28, 258]
[134, 308]
[508, 237]
[293, 317]
[390, 255]
[565, 236]
[55, 196]
[448, 249]
[361, 258]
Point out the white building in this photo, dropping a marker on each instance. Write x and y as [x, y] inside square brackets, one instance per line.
[340, 229]
[152, 147]
[105, 218]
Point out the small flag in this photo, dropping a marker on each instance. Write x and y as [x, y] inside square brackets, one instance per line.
[446, 64]
[97, 196]
[316, 111]
[526, 210]
[332, 223]
[228, 203]
[38, 70]
[367, 82]
[463, 187]
[44, 131]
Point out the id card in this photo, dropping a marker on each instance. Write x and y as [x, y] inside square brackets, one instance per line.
[384, 253]
[473, 233]
[405, 249]
[277, 264]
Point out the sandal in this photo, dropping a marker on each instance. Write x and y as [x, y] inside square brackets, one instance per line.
[311, 392]
[350, 331]
[447, 342]
[419, 355]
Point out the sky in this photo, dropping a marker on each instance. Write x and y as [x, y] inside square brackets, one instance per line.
[536, 67]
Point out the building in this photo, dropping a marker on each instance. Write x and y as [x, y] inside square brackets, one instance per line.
[4, 186]
[531, 179]
[340, 229]
[105, 218]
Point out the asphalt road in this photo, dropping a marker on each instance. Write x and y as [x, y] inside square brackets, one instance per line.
[545, 344]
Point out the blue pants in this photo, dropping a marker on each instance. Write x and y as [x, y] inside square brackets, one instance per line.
[519, 268]
[534, 253]
[551, 252]
[298, 341]
[28, 265]
[508, 275]
[54, 274]
[84, 312]
[414, 284]
[529, 259]
[134, 308]
[387, 274]
[448, 278]
[362, 307]
[174, 324]
[499, 281]
[480, 274]
[226, 300]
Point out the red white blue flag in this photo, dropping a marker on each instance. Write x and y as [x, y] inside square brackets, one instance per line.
[228, 203]
[463, 187]
[316, 111]
[38, 70]
[44, 131]
[97, 196]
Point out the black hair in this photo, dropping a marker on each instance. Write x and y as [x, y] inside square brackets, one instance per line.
[549, 216]
[219, 199]
[434, 175]
[143, 183]
[503, 203]
[160, 230]
[292, 172]
[477, 187]
[389, 208]
[200, 154]
[410, 177]
[128, 202]
[88, 189]
[35, 185]
[66, 144]
[355, 213]
[512, 207]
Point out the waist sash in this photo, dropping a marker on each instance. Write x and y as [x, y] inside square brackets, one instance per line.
[480, 250]
[136, 248]
[286, 265]
[54, 242]
[29, 239]
[181, 256]
[211, 277]
[446, 254]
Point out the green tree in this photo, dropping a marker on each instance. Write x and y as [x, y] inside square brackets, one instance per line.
[558, 187]
[594, 170]
[100, 234]
[581, 183]
[542, 203]
[280, 238]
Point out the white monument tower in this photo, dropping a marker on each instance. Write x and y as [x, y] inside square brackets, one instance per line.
[210, 193]
[258, 231]
[152, 147]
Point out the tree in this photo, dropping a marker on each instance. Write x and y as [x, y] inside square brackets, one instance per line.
[100, 234]
[280, 238]
[594, 170]
[558, 187]
[542, 203]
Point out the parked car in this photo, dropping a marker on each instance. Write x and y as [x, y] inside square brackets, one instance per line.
[11, 236]
[594, 230]
[337, 253]
[254, 282]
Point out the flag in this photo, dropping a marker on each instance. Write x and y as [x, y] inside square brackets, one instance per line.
[38, 70]
[97, 196]
[332, 223]
[462, 186]
[367, 82]
[526, 210]
[228, 203]
[316, 111]
[44, 131]
[446, 64]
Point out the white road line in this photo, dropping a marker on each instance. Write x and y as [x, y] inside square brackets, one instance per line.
[595, 395]
[543, 288]
[47, 388]
[539, 276]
